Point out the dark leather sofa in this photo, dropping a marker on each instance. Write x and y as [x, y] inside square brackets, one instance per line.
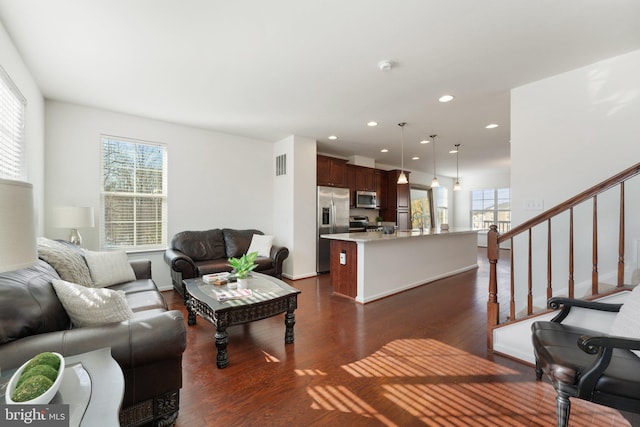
[147, 347]
[195, 253]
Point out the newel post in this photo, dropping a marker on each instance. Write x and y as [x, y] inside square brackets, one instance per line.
[493, 307]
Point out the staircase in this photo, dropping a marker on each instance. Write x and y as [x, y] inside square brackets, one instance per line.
[537, 255]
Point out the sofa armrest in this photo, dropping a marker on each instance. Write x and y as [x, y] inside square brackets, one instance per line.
[181, 263]
[278, 255]
[141, 268]
[139, 341]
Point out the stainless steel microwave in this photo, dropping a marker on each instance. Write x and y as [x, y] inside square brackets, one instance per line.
[366, 199]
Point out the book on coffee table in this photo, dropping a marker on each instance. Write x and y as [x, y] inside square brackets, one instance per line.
[234, 294]
[216, 278]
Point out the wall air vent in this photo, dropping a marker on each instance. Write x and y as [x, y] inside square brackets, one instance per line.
[281, 165]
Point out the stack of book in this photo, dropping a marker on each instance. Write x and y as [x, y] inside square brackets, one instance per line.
[234, 294]
[218, 279]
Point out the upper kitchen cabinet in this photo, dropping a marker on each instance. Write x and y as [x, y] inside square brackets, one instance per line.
[351, 183]
[365, 179]
[331, 171]
[362, 178]
[380, 184]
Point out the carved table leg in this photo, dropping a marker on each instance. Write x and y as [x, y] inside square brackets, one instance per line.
[222, 339]
[289, 321]
[563, 408]
[191, 317]
[538, 370]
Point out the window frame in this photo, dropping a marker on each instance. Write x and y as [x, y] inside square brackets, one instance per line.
[135, 195]
[503, 226]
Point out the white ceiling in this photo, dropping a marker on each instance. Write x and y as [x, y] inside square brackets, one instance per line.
[269, 69]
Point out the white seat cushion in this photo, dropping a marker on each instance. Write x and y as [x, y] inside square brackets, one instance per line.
[627, 321]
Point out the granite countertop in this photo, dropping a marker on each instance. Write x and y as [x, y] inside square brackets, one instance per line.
[378, 236]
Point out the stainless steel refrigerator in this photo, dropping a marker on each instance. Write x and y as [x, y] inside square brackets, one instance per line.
[333, 217]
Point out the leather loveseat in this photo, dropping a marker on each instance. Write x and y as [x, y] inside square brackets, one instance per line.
[148, 347]
[196, 253]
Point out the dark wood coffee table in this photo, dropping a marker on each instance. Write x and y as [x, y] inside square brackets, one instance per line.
[271, 296]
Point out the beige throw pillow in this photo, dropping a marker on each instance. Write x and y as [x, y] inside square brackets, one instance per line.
[261, 244]
[67, 261]
[627, 321]
[92, 307]
[109, 268]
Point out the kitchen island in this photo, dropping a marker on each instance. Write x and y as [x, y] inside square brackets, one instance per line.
[371, 265]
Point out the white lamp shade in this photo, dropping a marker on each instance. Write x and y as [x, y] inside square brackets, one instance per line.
[17, 226]
[72, 217]
[402, 179]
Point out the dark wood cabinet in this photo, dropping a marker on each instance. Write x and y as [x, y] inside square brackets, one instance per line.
[351, 183]
[380, 185]
[331, 171]
[398, 208]
[344, 277]
[365, 179]
[362, 178]
[403, 198]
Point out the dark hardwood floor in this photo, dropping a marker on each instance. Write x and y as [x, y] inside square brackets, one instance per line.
[416, 358]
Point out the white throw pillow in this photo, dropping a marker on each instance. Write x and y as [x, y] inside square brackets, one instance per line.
[627, 321]
[109, 268]
[92, 307]
[261, 244]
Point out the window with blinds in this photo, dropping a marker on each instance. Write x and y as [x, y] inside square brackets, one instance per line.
[12, 107]
[134, 194]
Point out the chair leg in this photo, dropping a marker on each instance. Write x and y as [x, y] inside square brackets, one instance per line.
[563, 408]
[538, 371]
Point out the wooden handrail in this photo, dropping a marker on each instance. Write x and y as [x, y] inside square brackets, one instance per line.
[495, 238]
[585, 195]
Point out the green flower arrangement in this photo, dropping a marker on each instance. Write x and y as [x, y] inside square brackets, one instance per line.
[243, 265]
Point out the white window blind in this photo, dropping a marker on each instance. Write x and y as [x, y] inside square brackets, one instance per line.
[134, 194]
[12, 107]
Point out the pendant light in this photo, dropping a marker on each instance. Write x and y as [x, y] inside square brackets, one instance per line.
[434, 181]
[402, 179]
[456, 186]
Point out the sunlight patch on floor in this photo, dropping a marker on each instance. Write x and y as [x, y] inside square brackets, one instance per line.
[440, 385]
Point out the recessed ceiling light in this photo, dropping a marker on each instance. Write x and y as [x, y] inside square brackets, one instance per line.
[372, 124]
[333, 137]
[385, 65]
[445, 98]
[384, 150]
[425, 141]
[415, 158]
[491, 126]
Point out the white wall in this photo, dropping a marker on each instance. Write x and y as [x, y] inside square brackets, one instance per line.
[216, 180]
[12, 63]
[568, 133]
[295, 205]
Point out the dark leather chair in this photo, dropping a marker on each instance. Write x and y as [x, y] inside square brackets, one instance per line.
[586, 364]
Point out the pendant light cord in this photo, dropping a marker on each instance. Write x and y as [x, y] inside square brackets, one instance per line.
[433, 141]
[402, 145]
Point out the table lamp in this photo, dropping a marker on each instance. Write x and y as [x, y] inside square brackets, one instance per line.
[17, 226]
[73, 217]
